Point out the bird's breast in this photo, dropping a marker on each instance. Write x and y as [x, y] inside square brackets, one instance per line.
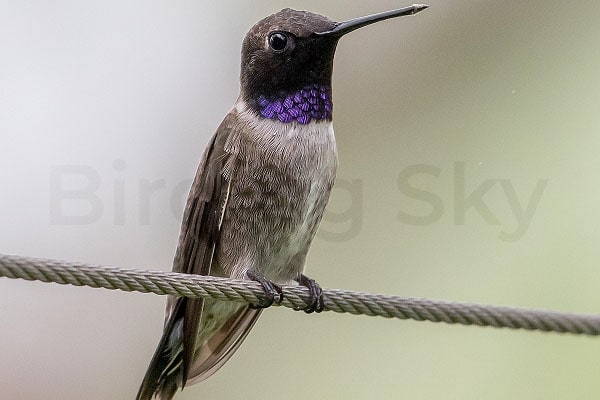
[280, 184]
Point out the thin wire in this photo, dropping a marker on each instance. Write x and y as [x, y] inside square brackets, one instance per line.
[341, 301]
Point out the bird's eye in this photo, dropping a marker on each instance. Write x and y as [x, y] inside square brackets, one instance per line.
[278, 41]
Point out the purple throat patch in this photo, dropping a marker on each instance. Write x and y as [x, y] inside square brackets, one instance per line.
[311, 103]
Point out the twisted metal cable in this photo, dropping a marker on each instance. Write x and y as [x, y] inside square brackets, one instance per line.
[342, 301]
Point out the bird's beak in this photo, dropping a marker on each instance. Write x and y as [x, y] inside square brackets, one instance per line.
[348, 26]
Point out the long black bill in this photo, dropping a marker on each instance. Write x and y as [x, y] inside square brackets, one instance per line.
[348, 26]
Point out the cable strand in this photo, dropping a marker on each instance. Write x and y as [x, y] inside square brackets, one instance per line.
[337, 300]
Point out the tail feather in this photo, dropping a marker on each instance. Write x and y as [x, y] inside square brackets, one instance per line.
[160, 379]
[165, 372]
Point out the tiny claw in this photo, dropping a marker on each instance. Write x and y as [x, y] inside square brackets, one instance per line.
[271, 290]
[316, 303]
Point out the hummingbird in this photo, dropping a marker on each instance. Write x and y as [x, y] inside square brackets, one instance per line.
[259, 193]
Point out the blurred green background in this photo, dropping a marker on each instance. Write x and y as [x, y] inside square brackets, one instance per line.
[499, 99]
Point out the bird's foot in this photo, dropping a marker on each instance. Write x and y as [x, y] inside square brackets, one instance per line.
[271, 290]
[316, 303]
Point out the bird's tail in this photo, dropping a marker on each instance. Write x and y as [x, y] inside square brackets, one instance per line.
[161, 377]
[165, 373]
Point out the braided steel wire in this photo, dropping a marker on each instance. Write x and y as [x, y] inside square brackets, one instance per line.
[341, 301]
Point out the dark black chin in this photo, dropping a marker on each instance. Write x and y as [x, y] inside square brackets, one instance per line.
[311, 63]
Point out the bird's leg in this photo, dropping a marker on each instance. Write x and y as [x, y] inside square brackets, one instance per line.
[271, 289]
[316, 294]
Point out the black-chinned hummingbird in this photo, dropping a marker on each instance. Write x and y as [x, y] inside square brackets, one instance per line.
[259, 193]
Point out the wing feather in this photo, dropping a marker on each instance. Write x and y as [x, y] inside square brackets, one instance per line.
[198, 239]
[221, 346]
